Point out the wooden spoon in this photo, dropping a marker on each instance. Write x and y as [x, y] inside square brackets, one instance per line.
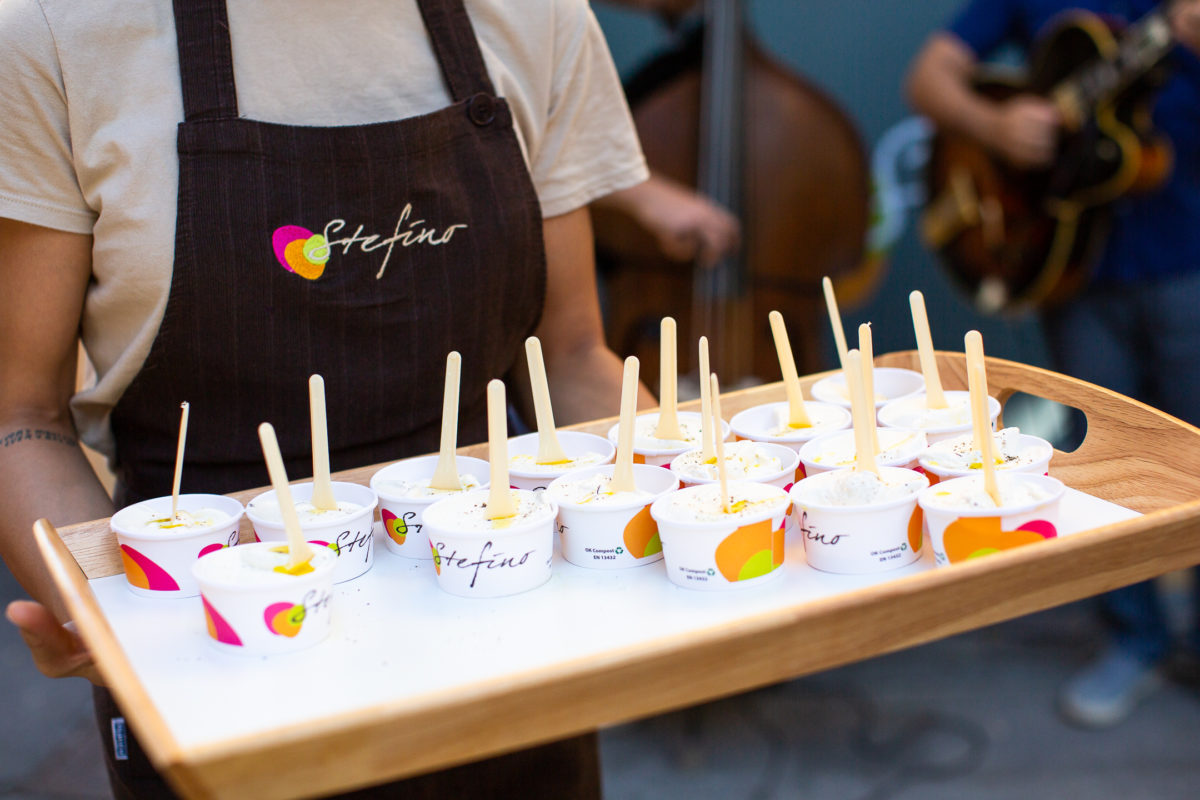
[622, 480]
[797, 415]
[322, 493]
[445, 474]
[500, 503]
[934, 397]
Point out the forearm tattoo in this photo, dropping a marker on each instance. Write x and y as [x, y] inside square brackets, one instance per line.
[35, 434]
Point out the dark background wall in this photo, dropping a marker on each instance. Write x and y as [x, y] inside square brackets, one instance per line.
[858, 52]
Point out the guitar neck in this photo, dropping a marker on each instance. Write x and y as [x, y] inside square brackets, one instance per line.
[1140, 48]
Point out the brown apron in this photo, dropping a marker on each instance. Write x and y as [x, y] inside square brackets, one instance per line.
[364, 253]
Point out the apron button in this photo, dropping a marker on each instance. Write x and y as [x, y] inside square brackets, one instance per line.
[481, 109]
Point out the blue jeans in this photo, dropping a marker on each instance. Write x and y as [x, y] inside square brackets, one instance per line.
[1141, 340]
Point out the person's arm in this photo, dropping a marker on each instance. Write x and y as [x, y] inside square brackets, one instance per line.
[686, 226]
[583, 373]
[1022, 129]
[43, 473]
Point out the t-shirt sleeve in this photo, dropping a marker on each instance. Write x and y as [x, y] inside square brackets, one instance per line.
[984, 25]
[38, 183]
[590, 147]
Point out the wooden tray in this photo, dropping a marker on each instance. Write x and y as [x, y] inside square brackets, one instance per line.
[510, 689]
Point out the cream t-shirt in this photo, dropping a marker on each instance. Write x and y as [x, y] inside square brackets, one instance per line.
[90, 101]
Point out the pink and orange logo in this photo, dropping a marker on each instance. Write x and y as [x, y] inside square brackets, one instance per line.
[301, 251]
[284, 619]
[144, 573]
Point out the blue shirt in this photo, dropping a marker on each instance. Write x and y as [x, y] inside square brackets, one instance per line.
[1154, 235]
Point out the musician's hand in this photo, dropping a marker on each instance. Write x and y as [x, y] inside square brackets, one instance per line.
[1027, 133]
[57, 650]
[1185, 23]
[686, 226]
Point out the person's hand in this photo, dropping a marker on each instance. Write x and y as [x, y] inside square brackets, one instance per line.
[1027, 133]
[57, 650]
[1185, 23]
[686, 226]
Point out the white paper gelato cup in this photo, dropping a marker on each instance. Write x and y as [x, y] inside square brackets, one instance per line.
[764, 423]
[474, 557]
[158, 562]
[584, 450]
[891, 383]
[939, 424]
[350, 536]
[834, 451]
[859, 539]
[402, 505]
[711, 551]
[1039, 452]
[647, 450]
[958, 534]
[685, 465]
[613, 531]
[252, 610]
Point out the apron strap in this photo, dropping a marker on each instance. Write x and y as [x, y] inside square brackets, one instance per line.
[205, 60]
[456, 48]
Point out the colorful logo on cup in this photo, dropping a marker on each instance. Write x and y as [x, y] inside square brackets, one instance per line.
[284, 619]
[143, 573]
[301, 251]
[641, 535]
[750, 552]
[395, 526]
[218, 628]
[972, 537]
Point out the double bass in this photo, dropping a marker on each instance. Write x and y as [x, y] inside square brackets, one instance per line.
[717, 113]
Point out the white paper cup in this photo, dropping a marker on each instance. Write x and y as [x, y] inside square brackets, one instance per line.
[727, 551]
[158, 563]
[834, 451]
[783, 477]
[937, 471]
[402, 514]
[351, 537]
[863, 539]
[958, 534]
[757, 423]
[614, 533]
[472, 560]
[525, 474]
[891, 383]
[643, 453]
[256, 611]
[910, 413]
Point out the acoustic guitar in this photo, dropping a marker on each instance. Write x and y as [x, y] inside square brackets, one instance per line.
[1017, 240]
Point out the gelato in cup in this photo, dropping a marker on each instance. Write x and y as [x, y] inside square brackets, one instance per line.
[158, 550]
[606, 530]
[746, 460]
[348, 530]
[856, 523]
[404, 494]
[769, 423]
[898, 448]
[891, 383]
[1015, 452]
[252, 608]
[708, 549]
[964, 523]
[649, 449]
[474, 556]
[581, 449]
[942, 423]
